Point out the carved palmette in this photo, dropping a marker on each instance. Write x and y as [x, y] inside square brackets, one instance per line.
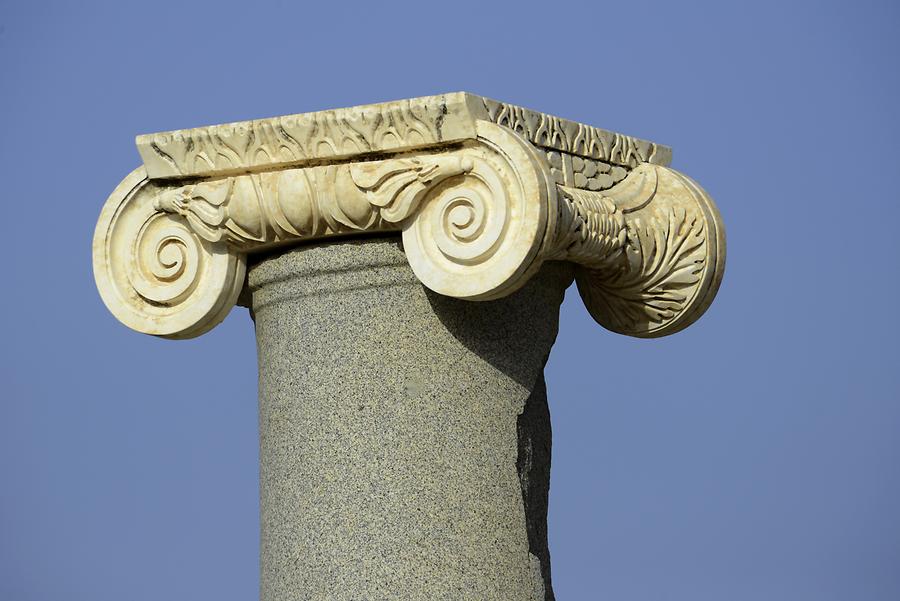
[477, 220]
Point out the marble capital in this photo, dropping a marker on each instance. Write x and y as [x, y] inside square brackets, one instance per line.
[482, 192]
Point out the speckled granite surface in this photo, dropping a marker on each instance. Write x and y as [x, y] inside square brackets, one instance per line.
[405, 438]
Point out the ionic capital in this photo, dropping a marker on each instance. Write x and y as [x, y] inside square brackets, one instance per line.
[483, 193]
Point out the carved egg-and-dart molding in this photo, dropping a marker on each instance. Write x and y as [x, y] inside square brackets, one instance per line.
[483, 192]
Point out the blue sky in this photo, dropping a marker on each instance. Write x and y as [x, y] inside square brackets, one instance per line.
[752, 456]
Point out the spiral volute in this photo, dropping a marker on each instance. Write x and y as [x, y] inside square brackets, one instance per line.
[156, 275]
[477, 236]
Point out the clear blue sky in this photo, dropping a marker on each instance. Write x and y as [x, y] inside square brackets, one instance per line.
[755, 456]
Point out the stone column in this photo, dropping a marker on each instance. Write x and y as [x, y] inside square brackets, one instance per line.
[407, 261]
[404, 435]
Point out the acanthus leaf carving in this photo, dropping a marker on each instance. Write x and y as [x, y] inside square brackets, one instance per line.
[661, 270]
[664, 257]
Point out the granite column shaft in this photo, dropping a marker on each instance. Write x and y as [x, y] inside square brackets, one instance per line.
[404, 435]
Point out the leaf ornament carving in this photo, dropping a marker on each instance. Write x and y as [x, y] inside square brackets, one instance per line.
[288, 140]
[568, 136]
[670, 263]
[249, 211]
[397, 187]
[662, 261]
[590, 228]
[202, 205]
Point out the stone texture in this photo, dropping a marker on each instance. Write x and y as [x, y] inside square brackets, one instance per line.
[483, 191]
[404, 435]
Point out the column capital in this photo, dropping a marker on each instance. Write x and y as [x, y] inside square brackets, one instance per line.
[482, 191]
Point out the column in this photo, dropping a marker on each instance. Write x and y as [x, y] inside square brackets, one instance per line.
[404, 435]
[404, 264]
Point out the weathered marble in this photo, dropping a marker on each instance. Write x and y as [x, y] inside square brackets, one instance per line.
[484, 193]
[405, 438]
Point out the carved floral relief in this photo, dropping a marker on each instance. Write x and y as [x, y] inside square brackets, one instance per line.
[479, 214]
